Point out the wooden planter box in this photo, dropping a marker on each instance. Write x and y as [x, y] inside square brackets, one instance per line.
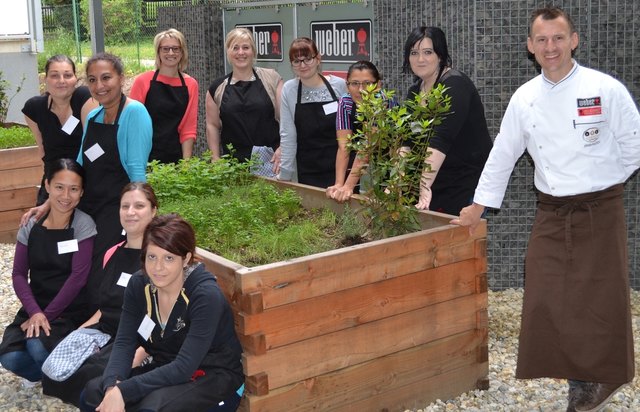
[388, 325]
[20, 175]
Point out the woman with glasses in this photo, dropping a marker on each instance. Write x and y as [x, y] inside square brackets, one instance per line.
[308, 118]
[360, 76]
[243, 107]
[171, 98]
[461, 143]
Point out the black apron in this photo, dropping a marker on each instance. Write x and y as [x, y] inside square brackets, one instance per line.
[317, 144]
[105, 178]
[166, 105]
[111, 297]
[248, 117]
[48, 271]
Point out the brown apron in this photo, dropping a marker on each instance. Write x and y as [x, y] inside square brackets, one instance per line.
[576, 318]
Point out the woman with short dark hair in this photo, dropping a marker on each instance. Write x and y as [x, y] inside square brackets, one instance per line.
[175, 310]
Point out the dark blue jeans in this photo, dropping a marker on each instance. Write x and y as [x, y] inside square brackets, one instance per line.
[26, 363]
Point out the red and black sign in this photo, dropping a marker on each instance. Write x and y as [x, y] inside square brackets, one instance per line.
[343, 41]
[268, 39]
[590, 106]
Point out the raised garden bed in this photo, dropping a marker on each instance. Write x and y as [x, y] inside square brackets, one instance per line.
[20, 175]
[387, 325]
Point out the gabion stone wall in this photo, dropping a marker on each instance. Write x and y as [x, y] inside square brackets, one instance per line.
[487, 40]
[202, 27]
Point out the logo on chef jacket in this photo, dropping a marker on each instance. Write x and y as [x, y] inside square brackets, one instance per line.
[268, 39]
[591, 106]
[343, 41]
[591, 135]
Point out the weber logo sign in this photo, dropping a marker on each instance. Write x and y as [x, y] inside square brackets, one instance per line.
[268, 39]
[343, 41]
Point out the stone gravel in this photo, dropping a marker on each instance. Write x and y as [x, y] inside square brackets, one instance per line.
[505, 392]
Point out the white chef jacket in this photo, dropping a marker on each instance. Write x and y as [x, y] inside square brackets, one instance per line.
[583, 134]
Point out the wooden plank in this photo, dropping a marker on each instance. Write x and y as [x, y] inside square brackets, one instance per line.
[17, 178]
[419, 394]
[10, 219]
[18, 198]
[224, 270]
[352, 307]
[337, 350]
[315, 275]
[19, 158]
[380, 376]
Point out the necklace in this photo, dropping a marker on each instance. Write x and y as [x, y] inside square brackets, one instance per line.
[162, 324]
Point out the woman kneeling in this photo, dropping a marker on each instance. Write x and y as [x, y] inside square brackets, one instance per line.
[174, 309]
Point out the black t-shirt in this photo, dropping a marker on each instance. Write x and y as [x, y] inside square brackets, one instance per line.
[57, 143]
[463, 136]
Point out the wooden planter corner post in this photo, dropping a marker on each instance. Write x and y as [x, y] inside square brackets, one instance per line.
[389, 325]
[20, 175]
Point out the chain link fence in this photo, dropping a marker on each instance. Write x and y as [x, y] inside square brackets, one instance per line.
[129, 28]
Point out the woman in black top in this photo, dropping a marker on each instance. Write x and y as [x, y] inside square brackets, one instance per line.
[461, 143]
[174, 309]
[56, 117]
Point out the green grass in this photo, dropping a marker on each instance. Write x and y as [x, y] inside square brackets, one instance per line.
[16, 136]
[136, 58]
[246, 219]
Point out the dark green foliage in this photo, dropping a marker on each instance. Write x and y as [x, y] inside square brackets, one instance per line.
[395, 172]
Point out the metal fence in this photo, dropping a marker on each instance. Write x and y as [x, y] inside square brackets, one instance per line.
[129, 26]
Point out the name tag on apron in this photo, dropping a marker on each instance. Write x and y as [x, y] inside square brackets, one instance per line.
[94, 152]
[67, 246]
[124, 279]
[146, 327]
[330, 108]
[70, 124]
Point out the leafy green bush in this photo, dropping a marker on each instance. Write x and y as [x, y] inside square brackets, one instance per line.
[119, 20]
[244, 218]
[60, 42]
[16, 136]
[395, 173]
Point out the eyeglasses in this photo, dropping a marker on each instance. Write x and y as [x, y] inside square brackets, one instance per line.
[307, 61]
[357, 84]
[167, 49]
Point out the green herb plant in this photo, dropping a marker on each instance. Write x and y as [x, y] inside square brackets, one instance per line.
[395, 171]
[16, 136]
[244, 218]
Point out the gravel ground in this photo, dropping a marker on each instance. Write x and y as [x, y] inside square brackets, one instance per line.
[505, 393]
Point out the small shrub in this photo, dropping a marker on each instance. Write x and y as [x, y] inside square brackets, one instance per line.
[395, 173]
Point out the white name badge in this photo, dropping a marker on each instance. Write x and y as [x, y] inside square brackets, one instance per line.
[94, 152]
[124, 279]
[146, 327]
[330, 108]
[70, 124]
[67, 246]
